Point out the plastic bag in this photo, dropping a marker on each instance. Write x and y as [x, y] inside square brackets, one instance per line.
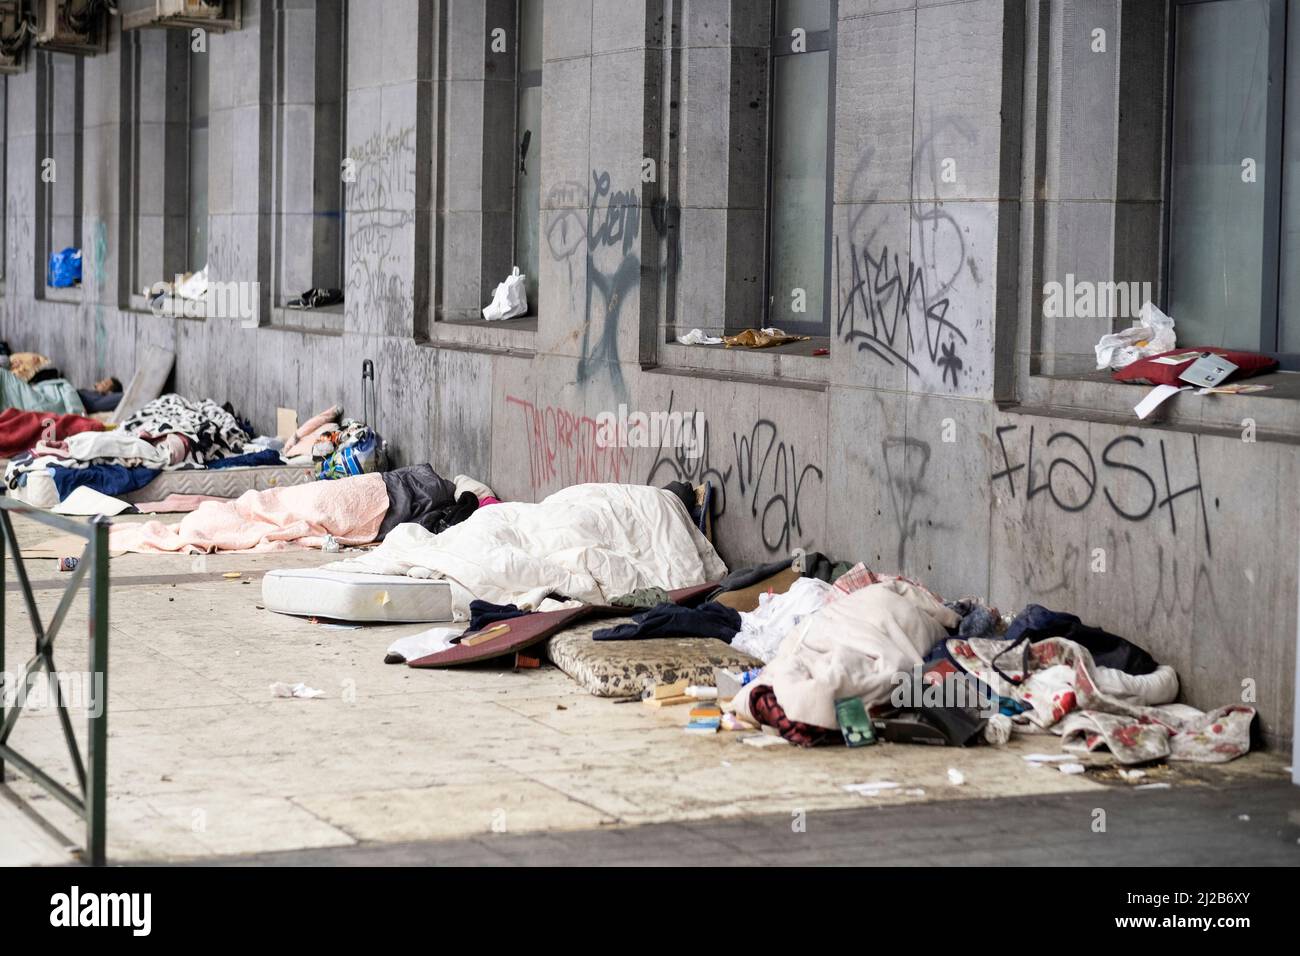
[357, 450]
[194, 286]
[510, 298]
[64, 269]
[1154, 334]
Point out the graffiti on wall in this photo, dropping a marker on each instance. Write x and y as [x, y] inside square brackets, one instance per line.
[1151, 485]
[757, 467]
[1065, 468]
[609, 236]
[563, 450]
[98, 275]
[381, 214]
[770, 478]
[888, 309]
[760, 468]
[907, 461]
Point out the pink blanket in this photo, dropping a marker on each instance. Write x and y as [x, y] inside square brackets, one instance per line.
[351, 509]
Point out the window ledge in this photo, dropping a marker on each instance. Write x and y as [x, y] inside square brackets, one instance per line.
[73, 295]
[793, 365]
[328, 320]
[1095, 396]
[506, 336]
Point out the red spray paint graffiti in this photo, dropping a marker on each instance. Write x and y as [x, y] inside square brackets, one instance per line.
[563, 451]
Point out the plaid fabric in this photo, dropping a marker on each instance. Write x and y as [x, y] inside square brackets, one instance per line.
[855, 578]
[859, 576]
[763, 705]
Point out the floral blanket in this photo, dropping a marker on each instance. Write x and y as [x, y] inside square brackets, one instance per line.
[1055, 680]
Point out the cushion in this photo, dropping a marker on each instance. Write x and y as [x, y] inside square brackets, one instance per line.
[1162, 370]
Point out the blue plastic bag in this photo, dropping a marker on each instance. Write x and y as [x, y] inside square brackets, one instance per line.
[64, 269]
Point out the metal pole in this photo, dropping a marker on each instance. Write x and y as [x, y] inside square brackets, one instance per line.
[97, 770]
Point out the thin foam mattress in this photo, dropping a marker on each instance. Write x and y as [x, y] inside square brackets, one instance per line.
[221, 482]
[352, 596]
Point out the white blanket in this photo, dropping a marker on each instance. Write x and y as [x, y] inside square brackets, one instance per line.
[589, 542]
[852, 647]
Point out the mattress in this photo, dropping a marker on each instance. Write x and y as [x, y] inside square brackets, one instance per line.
[352, 596]
[221, 482]
[627, 668]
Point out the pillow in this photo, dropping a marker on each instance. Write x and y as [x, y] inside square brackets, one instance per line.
[1164, 369]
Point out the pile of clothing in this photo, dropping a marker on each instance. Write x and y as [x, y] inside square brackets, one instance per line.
[927, 671]
[20, 431]
[170, 433]
[338, 447]
[194, 432]
[1096, 690]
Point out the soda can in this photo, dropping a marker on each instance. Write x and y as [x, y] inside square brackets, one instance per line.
[68, 564]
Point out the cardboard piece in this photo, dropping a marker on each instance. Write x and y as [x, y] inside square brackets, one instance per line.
[286, 424]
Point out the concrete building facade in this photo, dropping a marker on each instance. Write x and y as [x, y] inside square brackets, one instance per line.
[975, 152]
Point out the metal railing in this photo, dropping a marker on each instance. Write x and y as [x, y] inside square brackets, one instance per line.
[92, 773]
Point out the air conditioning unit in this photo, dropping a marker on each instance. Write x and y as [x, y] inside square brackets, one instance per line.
[217, 16]
[15, 34]
[71, 26]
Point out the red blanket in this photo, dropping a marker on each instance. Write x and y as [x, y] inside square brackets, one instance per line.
[20, 431]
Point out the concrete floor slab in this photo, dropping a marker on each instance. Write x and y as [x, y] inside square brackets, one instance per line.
[205, 763]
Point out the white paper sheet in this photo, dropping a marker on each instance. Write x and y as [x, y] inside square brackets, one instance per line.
[1156, 397]
[85, 501]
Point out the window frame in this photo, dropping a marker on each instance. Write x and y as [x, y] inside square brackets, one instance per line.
[443, 316]
[175, 169]
[781, 46]
[329, 320]
[45, 66]
[532, 79]
[191, 266]
[1270, 318]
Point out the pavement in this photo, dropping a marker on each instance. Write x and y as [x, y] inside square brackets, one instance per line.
[488, 765]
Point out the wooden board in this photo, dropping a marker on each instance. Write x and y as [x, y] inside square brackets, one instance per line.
[146, 384]
[531, 629]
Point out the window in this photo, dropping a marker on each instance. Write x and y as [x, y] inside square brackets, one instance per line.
[740, 204]
[309, 134]
[484, 143]
[58, 157]
[197, 208]
[798, 269]
[528, 129]
[1234, 185]
[155, 118]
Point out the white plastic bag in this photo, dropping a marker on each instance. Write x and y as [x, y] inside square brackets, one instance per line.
[510, 298]
[1153, 334]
